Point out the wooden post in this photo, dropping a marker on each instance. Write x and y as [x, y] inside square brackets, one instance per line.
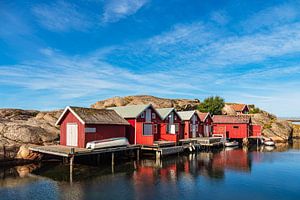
[98, 159]
[137, 154]
[158, 155]
[112, 162]
[71, 168]
[112, 159]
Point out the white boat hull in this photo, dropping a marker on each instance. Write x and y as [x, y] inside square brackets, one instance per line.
[269, 143]
[107, 143]
[231, 144]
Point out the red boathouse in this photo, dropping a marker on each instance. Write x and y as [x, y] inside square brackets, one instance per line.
[170, 125]
[206, 124]
[79, 126]
[232, 127]
[191, 124]
[144, 123]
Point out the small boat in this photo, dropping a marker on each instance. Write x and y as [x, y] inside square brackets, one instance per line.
[231, 144]
[112, 142]
[269, 143]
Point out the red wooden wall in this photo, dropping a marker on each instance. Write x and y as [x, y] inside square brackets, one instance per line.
[70, 118]
[105, 131]
[228, 130]
[256, 130]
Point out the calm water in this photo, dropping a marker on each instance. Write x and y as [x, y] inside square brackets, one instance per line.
[229, 174]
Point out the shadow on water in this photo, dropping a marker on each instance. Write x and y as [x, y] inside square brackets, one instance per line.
[184, 176]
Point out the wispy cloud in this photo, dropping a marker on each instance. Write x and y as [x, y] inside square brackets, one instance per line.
[61, 16]
[272, 16]
[115, 10]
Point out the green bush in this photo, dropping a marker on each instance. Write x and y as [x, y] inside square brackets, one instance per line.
[214, 105]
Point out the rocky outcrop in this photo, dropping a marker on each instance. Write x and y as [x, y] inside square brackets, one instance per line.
[296, 131]
[278, 130]
[179, 104]
[19, 127]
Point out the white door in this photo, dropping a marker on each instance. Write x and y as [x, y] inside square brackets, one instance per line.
[72, 135]
[148, 115]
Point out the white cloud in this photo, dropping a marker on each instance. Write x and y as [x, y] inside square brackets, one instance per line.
[220, 17]
[61, 16]
[272, 16]
[115, 10]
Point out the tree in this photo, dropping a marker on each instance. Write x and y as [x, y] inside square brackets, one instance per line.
[214, 105]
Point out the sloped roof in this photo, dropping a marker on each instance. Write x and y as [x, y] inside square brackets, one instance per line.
[94, 116]
[186, 115]
[131, 111]
[164, 112]
[203, 115]
[238, 107]
[228, 119]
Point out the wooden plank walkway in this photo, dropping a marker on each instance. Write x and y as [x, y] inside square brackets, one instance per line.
[65, 151]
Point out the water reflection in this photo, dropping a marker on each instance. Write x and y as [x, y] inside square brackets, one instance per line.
[185, 176]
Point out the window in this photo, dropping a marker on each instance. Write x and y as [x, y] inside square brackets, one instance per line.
[155, 128]
[147, 129]
[175, 117]
[172, 129]
[153, 115]
[176, 128]
[196, 127]
[142, 115]
[235, 126]
[90, 130]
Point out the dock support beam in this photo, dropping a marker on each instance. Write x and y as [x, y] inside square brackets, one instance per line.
[137, 154]
[112, 162]
[72, 152]
[158, 155]
[71, 168]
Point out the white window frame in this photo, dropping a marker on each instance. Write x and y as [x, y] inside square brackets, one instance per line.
[150, 134]
[90, 129]
[153, 115]
[142, 115]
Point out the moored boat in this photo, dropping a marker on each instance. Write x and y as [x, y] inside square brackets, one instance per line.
[231, 144]
[112, 142]
[269, 143]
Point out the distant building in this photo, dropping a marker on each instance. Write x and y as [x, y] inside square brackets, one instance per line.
[79, 126]
[240, 108]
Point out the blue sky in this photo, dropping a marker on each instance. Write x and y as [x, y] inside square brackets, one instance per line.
[58, 53]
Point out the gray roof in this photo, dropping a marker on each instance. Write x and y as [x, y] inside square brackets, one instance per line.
[186, 115]
[131, 111]
[95, 116]
[164, 112]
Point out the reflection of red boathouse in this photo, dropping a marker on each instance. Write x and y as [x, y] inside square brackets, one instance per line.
[232, 159]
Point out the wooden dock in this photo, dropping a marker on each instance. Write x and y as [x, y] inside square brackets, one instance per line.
[65, 151]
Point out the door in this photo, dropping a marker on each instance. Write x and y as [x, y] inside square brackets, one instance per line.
[72, 135]
[206, 130]
[148, 115]
[194, 126]
[194, 130]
